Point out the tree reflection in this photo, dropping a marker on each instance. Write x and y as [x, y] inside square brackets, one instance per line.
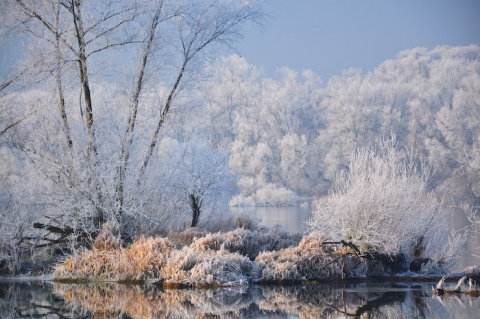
[35, 300]
[111, 300]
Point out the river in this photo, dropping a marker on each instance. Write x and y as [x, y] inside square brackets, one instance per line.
[36, 299]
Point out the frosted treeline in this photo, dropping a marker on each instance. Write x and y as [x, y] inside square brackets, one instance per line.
[289, 136]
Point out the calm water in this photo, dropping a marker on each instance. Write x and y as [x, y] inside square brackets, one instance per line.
[380, 300]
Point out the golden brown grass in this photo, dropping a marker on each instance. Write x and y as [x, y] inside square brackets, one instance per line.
[221, 259]
[247, 242]
[109, 237]
[187, 236]
[142, 260]
[309, 260]
[157, 258]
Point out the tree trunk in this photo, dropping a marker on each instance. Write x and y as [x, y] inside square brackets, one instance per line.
[195, 204]
[125, 152]
[61, 97]
[83, 72]
[162, 119]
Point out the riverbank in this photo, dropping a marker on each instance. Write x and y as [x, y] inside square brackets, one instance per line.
[195, 258]
[266, 256]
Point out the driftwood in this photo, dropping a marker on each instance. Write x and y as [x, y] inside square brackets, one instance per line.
[63, 233]
[367, 256]
[50, 242]
[395, 262]
[345, 244]
[441, 289]
[58, 230]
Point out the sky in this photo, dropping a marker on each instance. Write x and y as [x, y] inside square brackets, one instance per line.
[330, 36]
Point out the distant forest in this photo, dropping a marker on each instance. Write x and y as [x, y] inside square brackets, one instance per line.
[287, 137]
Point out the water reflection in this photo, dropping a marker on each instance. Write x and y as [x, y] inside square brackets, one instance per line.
[109, 300]
[35, 300]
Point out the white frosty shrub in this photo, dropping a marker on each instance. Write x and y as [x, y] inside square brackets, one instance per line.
[383, 204]
[195, 268]
[240, 201]
[272, 195]
[473, 216]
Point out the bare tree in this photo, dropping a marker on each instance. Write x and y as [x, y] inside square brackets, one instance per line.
[156, 19]
[202, 25]
[96, 168]
[201, 175]
[83, 37]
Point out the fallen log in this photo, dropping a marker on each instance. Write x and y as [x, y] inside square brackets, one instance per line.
[54, 229]
[395, 262]
[345, 244]
[64, 233]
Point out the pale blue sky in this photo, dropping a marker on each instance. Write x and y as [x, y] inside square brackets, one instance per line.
[328, 36]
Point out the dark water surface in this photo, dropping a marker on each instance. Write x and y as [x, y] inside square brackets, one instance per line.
[109, 300]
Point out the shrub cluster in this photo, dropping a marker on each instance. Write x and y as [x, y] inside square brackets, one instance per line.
[231, 258]
[220, 259]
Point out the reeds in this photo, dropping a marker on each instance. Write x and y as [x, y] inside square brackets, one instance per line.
[247, 242]
[309, 260]
[220, 259]
[142, 260]
[191, 268]
[232, 258]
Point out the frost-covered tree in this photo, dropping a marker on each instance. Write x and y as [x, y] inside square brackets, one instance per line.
[234, 87]
[350, 119]
[383, 203]
[458, 121]
[290, 132]
[104, 82]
